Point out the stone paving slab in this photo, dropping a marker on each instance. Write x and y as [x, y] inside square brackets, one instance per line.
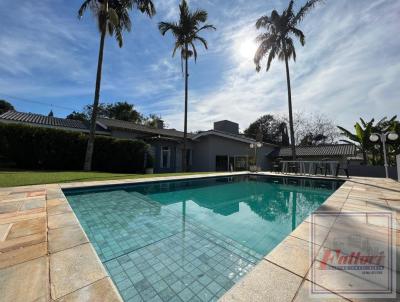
[74, 268]
[102, 290]
[41, 237]
[25, 282]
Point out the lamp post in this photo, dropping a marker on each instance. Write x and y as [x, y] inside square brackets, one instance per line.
[392, 136]
[255, 146]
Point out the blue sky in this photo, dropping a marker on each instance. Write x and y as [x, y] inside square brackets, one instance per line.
[349, 67]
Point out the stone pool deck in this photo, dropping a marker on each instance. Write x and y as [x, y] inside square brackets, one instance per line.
[285, 273]
[46, 256]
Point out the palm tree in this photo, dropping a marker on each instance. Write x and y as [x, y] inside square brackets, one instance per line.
[361, 138]
[112, 18]
[186, 33]
[363, 131]
[277, 41]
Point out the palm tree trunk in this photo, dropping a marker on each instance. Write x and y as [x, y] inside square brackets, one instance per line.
[292, 139]
[365, 159]
[90, 145]
[184, 162]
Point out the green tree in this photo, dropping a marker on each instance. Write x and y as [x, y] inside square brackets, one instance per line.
[186, 33]
[112, 18]
[124, 111]
[5, 106]
[78, 116]
[272, 130]
[120, 110]
[153, 121]
[278, 41]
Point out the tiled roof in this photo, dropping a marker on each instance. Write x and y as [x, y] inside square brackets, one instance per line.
[112, 123]
[323, 150]
[43, 120]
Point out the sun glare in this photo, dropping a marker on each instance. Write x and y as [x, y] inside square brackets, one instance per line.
[247, 49]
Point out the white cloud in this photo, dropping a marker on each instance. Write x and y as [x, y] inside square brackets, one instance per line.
[348, 68]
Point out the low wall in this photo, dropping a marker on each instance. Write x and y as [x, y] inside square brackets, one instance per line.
[372, 171]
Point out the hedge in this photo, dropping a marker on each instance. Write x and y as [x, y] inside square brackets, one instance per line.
[52, 149]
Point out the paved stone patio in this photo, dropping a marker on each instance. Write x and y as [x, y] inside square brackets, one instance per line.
[46, 256]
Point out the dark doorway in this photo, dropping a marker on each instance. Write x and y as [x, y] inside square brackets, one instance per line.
[221, 163]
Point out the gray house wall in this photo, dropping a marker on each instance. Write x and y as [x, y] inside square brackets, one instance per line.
[204, 152]
[208, 147]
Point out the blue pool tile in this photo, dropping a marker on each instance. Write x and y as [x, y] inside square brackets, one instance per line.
[153, 255]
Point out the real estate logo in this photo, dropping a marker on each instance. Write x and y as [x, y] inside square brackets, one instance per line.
[353, 255]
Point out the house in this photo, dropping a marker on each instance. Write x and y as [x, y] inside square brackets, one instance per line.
[333, 152]
[222, 148]
[219, 149]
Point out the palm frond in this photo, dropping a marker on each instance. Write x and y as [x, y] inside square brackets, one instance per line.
[303, 11]
[288, 12]
[194, 51]
[262, 22]
[262, 50]
[299, 34]
[146, 6]
[363, 122]
[271, 56]
[289, 49]
[176, 47]
[119, 37]
[199, 16]
[202, 40]
[208, 26]
[164, 27]
[347, 133]
[85, 5]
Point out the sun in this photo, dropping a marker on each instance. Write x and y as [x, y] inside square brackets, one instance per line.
[247, 49]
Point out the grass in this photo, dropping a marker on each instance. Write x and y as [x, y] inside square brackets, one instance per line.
[23, 178]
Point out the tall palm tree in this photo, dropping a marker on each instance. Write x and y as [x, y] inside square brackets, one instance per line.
[112, 18]
[278, 41]
[186, 33]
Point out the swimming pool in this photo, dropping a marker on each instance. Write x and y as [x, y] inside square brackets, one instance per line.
[191, 240]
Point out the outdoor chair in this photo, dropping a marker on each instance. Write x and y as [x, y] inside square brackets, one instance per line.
[292, 167]
[276, 166]
[344, 166]
[322, 167]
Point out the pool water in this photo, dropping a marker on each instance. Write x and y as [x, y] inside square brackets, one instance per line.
[192, 240]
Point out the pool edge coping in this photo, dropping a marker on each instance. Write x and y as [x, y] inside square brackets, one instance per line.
[54, 192]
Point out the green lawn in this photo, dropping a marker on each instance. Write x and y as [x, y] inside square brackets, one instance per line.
[22, 178]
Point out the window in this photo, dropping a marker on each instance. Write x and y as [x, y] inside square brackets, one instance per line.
[165, 157]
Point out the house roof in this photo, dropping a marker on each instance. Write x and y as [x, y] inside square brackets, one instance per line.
[237, 137]
[47, 121]
[124, 125]
[322, 150]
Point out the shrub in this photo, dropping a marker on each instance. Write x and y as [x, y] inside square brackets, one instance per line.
[44, 148]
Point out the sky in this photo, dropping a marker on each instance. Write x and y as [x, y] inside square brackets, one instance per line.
[349, 67]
